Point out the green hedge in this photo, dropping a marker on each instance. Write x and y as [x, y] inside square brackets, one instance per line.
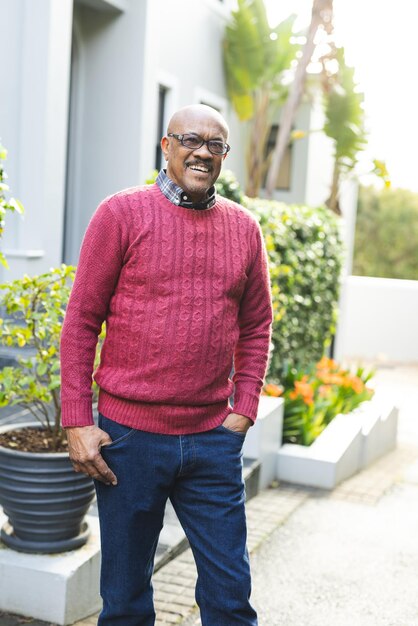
[305, 254]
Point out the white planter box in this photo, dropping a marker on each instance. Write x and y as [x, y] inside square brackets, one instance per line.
[59, 588]
[263, 439]
[349, 443]
[380, 426]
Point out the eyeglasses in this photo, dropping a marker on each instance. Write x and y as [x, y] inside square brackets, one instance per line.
[194, 142]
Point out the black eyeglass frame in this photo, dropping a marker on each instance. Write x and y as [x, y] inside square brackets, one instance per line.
[180, 138]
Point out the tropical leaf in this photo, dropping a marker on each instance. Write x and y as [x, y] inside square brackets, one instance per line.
[255, 55]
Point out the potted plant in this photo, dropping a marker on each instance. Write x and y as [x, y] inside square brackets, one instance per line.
[44, 499]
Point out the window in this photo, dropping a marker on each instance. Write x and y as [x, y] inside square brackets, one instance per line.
[162, 101]
[283, 179]
[211, 99]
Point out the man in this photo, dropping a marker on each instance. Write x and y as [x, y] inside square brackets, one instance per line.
[180, 275]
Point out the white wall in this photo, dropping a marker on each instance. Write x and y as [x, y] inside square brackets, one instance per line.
[296, 194]
[312, 157]
[378, 320]
[12, 17]
[348, 205]
[33, 125]
[320, 160]
[184, 53]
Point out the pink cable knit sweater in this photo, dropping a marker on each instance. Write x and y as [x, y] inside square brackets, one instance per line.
[185, 293]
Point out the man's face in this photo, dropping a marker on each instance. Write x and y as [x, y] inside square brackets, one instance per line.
[195, 171]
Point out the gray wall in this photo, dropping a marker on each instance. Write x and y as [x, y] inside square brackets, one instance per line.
[106, 104]
[11, 19]
[33, 126]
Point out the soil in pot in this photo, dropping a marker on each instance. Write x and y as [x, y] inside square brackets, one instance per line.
[31, 440]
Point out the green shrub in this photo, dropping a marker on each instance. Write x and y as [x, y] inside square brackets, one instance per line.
[228, 186]
[305, 254]
[152, 177]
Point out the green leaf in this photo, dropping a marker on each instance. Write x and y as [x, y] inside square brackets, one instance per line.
[41, 369]
[16, 205]
[243, 105]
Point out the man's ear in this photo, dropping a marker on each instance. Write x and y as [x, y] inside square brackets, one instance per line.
[164, 146]
[224, 156]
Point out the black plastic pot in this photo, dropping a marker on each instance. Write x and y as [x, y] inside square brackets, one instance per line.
[44, 499]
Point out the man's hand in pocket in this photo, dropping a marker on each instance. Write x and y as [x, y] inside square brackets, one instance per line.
[238, 423]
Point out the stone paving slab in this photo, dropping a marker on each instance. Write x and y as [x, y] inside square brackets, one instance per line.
[341, 563]
[13, 620]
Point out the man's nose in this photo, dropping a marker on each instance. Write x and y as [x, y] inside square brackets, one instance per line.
[203, 152]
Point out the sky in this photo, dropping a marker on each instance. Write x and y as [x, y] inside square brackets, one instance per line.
[381, 42]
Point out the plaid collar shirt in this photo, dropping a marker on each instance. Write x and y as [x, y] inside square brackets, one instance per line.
[176, 195]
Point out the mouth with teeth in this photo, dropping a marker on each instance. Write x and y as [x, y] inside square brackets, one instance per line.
[199, 168]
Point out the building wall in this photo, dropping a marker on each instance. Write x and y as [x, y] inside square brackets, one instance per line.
[33, 126]
[184, 54]
[9, 107]
[319, 159]
[378, 320]
[311, 160]
[106, 106]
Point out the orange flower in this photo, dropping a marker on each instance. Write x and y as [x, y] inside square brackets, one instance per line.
[273, 390]
[302, 390]
[327, 364]
[355, 383]
[332, 379]
[324, 390]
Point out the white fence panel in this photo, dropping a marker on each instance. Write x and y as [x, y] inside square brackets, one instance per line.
[378, 320]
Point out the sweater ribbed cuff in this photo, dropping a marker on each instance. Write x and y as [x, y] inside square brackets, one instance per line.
[77, 413]
[246, 404]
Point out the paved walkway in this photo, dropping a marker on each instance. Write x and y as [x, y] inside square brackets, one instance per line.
[343, 558]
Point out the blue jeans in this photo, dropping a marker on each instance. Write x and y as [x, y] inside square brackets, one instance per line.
[202, 475]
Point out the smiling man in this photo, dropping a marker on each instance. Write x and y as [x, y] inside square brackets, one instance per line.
[180, 276]
[191, 169]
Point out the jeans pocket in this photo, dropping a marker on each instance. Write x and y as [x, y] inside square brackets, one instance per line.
[232, 432]
[117, 432]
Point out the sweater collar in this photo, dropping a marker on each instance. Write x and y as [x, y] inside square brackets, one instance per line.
[178, 196]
